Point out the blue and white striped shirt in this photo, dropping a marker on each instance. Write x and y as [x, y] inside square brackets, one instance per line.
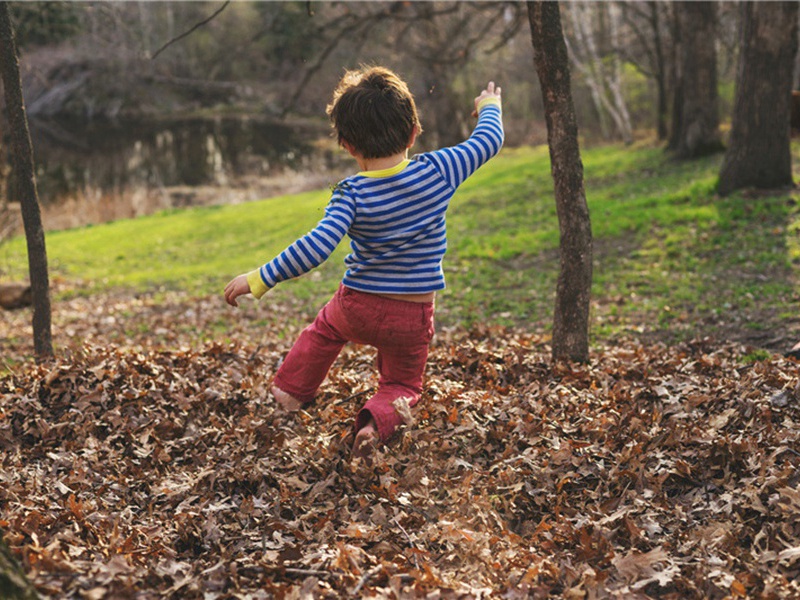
[395, 219]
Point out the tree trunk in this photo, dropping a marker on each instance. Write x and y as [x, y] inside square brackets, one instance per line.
[675, 78]
[13, 583]
[759, 153]
[571, 319]
[26, 182]
[796, 71]
[660, 75]
[698, 128]
[446, 127]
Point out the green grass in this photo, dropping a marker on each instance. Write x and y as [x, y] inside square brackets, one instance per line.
[669, 253]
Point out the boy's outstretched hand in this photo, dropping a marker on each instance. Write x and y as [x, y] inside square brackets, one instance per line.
[489, 92]
[238, 286]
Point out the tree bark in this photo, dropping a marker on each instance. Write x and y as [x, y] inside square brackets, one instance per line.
[759, 153]
[571, 318]
[26, 182]
[659, 68]
[698, 128]
[675, 78]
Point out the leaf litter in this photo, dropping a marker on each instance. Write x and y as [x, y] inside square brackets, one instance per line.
[149, 461]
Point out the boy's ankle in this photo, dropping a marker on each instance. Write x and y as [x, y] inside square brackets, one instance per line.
[286, 400]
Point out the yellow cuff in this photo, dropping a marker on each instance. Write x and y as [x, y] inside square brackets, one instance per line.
[488, 101]
[257, 286]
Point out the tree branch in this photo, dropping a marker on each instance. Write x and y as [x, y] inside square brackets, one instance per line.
[190, 31]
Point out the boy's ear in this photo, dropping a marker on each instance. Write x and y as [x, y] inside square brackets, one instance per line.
[417, 130]
[349, 147]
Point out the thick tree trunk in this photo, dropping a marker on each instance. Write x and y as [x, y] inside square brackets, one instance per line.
[661, 84]
[29, 198]
[759, 153]
[675, 79]
[445, 126]
[571, 319]
[698, 128]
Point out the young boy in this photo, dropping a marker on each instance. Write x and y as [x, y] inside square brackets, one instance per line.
[394, 213]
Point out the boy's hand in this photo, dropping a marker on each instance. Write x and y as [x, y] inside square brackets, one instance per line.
[237, 287]
[489, 92]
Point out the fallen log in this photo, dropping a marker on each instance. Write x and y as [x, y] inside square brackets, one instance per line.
[15, 295]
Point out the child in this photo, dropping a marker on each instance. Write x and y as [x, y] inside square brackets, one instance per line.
[394, 213]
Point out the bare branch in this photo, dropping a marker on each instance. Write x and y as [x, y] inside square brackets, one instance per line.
[192, 30]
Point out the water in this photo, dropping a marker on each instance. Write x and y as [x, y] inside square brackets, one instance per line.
[95, 171]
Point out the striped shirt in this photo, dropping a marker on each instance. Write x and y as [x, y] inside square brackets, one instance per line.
[395, 219]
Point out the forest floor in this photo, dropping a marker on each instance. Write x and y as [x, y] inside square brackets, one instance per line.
[149, 461]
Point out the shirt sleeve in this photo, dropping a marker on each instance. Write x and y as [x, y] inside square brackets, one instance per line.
[459, 162]
[309, 251]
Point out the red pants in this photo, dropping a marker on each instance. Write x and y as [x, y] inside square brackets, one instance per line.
[400, 331]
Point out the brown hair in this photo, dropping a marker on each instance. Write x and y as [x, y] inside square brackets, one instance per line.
[373, 111]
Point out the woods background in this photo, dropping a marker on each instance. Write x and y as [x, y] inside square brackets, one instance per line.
[101, 63]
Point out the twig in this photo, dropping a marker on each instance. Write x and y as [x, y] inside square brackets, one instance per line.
[190, 31]
[366, 577]
[410, 541]
[309, 572]
[356, 395]
[295, 571]
[255, 353]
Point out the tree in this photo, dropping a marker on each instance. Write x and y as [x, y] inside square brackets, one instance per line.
[600, 67]
[438, 38]
[759, 153]
[571, 318]
[695, 124]
[647, 51]
[26, 185]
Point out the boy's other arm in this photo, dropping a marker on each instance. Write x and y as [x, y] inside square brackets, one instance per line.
[306, 253]
[238, 286]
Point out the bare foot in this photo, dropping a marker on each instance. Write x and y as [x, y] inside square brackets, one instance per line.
[366, 441]
[287, 401]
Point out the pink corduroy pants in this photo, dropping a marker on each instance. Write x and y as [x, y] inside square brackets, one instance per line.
[401, 333]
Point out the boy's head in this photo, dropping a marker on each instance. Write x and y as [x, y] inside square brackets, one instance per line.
[373, 112]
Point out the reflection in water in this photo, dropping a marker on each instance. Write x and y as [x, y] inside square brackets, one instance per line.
[89, 172]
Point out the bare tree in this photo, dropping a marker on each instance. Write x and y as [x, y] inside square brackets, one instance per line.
[647, 50]
[598, 59]
[571, 319]
[441, 38]
[26, 182]
[759, 153]
[696, 106]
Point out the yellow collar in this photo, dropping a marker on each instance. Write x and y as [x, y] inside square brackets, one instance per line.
[387, 172]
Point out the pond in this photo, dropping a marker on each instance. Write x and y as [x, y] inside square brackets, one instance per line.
[95, 171]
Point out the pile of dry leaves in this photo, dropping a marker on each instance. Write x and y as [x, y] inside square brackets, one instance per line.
[161, 469]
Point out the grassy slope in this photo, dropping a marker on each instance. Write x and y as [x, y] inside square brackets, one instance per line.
[670, 256]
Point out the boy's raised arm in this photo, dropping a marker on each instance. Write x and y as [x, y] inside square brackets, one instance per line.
[487, 96]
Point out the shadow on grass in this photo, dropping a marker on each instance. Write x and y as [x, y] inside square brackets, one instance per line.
[673, 260]
[729, 278]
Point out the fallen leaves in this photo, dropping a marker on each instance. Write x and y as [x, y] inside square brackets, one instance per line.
[151, 466]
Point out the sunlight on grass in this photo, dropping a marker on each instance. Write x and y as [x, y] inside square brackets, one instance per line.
[667, 249]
